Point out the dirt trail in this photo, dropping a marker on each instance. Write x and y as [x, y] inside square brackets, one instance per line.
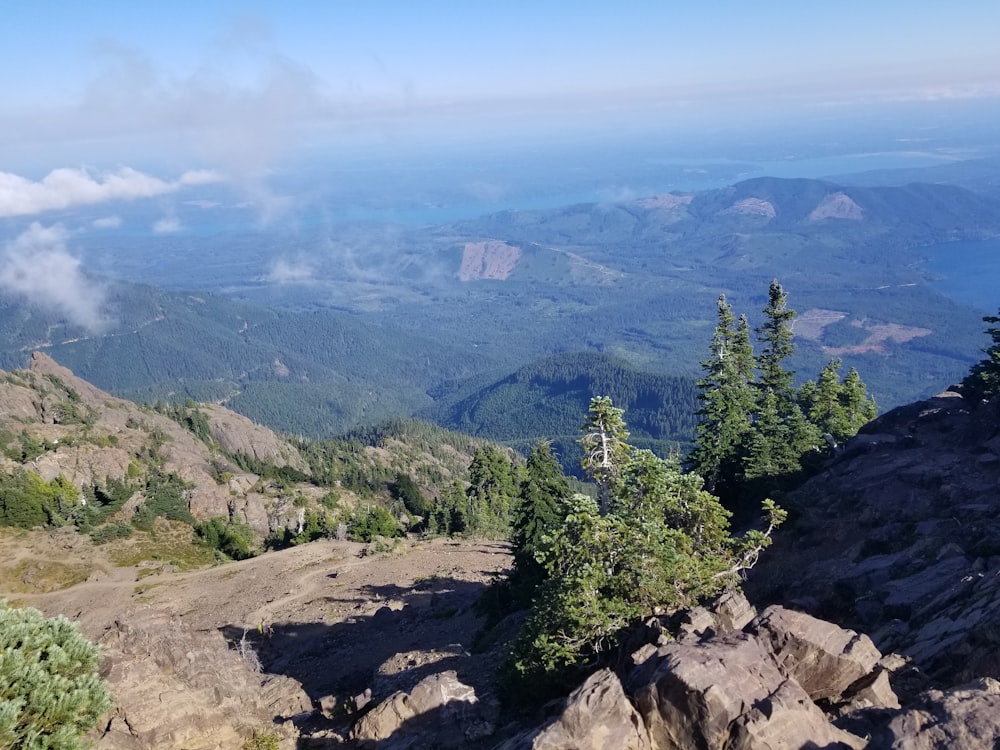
[334, 614]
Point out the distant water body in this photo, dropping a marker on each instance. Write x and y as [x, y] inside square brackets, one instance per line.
[968, 272]
[650, 176]
[464, 186]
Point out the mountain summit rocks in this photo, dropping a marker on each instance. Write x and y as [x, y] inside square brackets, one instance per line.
[899, 536]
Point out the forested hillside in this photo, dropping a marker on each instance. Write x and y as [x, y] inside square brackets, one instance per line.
[546, 400]
[317, 373]
[426, 318]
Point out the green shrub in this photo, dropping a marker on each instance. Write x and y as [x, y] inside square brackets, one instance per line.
[50, 693]
[166, 496]
[235, 540]
[261, 741]
[367, 523]
[660, 543]
[110, 532]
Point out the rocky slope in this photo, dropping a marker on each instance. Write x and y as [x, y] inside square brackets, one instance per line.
[87, 435]
[899, 536]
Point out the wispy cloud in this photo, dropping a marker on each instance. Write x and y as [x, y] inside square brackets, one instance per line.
[68, 187]
[38, 266]
[107, 222]
[287, 272]
[166, 225]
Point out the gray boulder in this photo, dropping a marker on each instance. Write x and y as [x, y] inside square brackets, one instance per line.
[966, 717]
[725, 693]
[598, 715]
[439, 712]
[826, 660]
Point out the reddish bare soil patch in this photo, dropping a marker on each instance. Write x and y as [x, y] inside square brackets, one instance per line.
[811, 324]
[879, 334]
[491, 259]
[837, 206]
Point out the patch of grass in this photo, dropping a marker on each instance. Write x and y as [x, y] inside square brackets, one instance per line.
[42, 576]
[170, 542]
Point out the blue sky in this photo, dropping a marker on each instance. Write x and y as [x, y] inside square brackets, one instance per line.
[70, 63]
[115, 101]
[182, 89]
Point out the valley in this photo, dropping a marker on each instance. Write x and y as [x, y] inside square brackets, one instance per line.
[319, 329]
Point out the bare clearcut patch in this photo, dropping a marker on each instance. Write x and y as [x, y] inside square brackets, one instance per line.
[490, 259]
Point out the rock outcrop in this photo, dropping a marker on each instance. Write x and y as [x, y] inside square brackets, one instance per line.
[899, 537]
[439, 712]
[782, 680]
[237, 434]
[176, 687]
[965, 717]
[91, 435]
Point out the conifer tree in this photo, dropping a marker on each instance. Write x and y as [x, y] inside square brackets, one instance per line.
[50, 692]
[604, 445]
[859, 408]
[780, 420]
[775, 334]
[539, 510]
[662, 544]
[837, 408]
[983, 380]
[727, 401]
[491, 492]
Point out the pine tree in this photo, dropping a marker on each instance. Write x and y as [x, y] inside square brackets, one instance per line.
[539, 510]
[859, 408]
[837, 408]
[727, 402]
[983, 380]
[776, 337]
[663, 544]
[780, 420]
[491, 492]
[604, 445]
[50, 692]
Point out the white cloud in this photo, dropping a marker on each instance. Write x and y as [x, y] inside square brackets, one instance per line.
[285, 272]
[67, 187]
[166, 225]
[108, 222]
[38, 266]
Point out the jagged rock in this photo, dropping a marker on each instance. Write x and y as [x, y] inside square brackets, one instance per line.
[237, 434]
[788, 719]
[966, 717]
[733, 611]
[439, 712]
[597, 715]
[700, 694]
[174, 687]
[823, 658]
[899, 535]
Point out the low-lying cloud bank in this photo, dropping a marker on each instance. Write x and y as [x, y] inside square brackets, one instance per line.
[68, 188]
[38, 266]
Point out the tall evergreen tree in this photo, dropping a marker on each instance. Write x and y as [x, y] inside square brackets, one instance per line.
[837, 408]
[859, 407]
[983, 380]
[491, 492]
[727, 401]
[539, 511]
[605, 447]
[775, 334]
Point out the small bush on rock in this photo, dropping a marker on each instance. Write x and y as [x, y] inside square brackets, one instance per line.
[50, 693]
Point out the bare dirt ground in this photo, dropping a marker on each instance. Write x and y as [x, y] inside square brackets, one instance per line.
[329, 614]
